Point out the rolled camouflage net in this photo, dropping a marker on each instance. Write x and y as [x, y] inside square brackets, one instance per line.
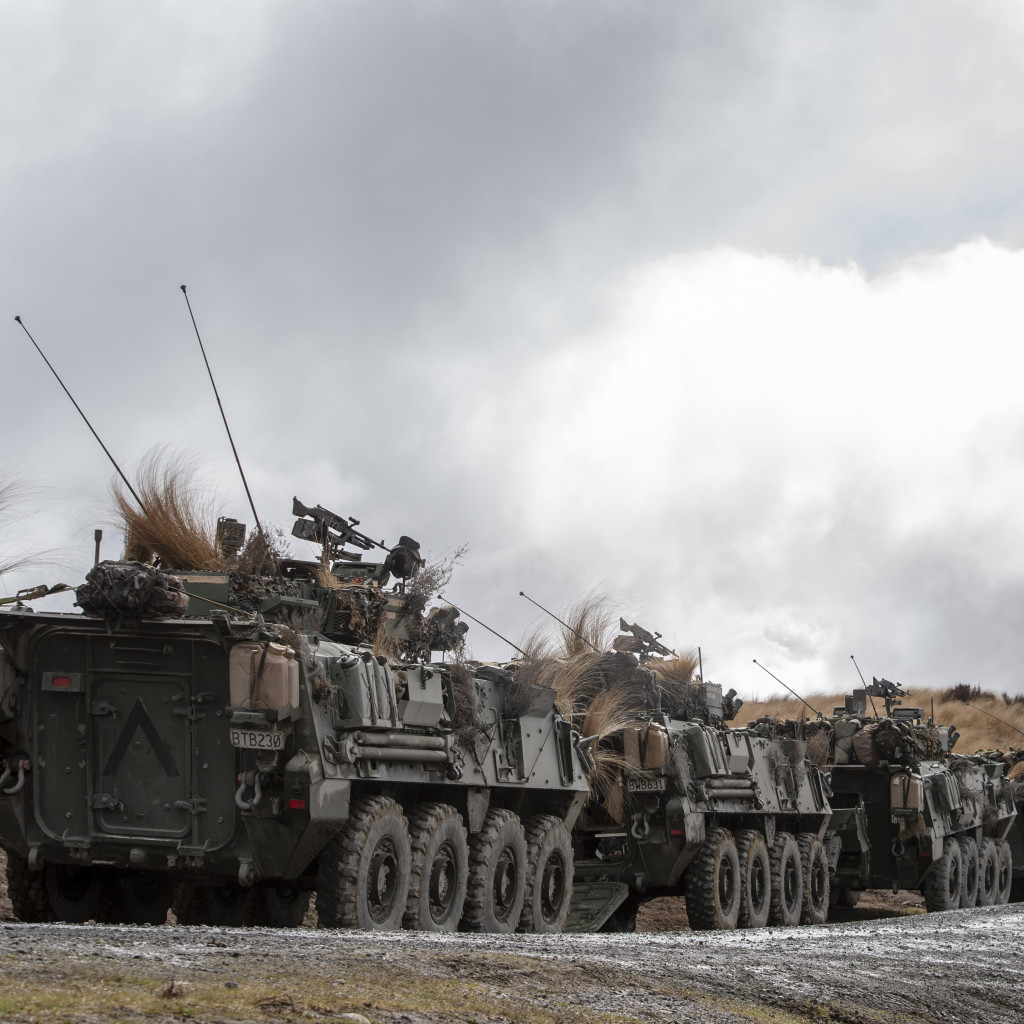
[124, 592]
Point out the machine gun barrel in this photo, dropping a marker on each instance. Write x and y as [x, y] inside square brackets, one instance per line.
[345, 528]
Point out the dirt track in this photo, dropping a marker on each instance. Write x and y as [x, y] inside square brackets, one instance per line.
[961, 966]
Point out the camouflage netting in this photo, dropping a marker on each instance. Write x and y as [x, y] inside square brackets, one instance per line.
[439, 630]
[854, 741]
[123, 592]
[929, 743]
[358, 613]
[814, 738]
[247, 592]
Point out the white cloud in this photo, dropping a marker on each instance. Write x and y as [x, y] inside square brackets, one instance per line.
[801, 447]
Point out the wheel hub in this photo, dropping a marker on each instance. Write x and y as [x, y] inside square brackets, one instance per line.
[382, 880]
[505, 884]
[442, 886]
[552, 888]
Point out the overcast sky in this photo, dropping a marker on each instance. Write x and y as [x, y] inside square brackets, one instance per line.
[717, 306]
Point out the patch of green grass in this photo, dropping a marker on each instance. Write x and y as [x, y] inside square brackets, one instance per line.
[76, 990]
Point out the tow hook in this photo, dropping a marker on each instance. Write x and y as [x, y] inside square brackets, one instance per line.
[19, 782]
[641, 827]
[248, 780]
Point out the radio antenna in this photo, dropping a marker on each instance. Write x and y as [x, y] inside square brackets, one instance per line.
[462, 611]
[238, 462]
[84, 417]
[865, 685]
[559, 621]
[1002, 721]
[790, 688]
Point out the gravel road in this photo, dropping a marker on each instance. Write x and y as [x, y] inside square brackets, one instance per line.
[962, 966]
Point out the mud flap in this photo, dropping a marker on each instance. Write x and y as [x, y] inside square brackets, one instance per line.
[593, 903]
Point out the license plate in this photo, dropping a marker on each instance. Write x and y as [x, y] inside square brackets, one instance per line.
[645, 785]
[257, 739]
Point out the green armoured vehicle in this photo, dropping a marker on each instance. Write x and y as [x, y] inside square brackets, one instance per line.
[235, 764]
[910, 814]
[729, 819]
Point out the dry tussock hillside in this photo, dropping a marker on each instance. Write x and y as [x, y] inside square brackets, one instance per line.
[978, 731]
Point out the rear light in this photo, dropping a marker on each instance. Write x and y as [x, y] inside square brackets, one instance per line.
[297, 805]
[61, 682]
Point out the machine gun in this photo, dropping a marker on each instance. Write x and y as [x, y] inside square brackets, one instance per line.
[641, 642]
[334, 532]
[889, 692]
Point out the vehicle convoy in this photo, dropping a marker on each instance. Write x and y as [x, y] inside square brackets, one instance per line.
[228, 742]
[233, 761]
[731, 820]
[907, 813]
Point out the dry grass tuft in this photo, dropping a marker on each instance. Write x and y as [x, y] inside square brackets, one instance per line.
[465, 715]
[178, 524]
[681, 697]
[536, 645]
[592, 626]
[263, 551]
[384, 644]
[431, 579]
[817, 748]
[572, 680]
[10, 492]
[608, 713]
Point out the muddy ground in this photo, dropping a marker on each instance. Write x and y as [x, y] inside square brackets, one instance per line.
[961, 966]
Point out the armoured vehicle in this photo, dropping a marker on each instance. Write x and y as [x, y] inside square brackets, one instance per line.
[910, 814]
[234, 761]
[731, 820]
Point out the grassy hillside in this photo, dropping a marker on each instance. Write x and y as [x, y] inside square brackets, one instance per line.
[977, 730]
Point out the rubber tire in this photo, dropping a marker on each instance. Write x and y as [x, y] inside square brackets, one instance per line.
[438, 845]
[144, 897]
[968, 872]
[499, 847]
[1004, 871]
[848, 897]
[814, 862]
[787, 882]
[987, 869]
[189, 905]
[941, 888]
[376, 831]
[549, 871]
[227, 906]
[76, 894]
[756, 876]
[624, 917]
[27, 891]
[713, 884]
[279, 906]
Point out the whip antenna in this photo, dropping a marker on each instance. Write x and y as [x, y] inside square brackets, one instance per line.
[1002, 721]
[790, 688]
[559, 621]
[462, 611]
[238, 462]
[867, 689]
[84, 417]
